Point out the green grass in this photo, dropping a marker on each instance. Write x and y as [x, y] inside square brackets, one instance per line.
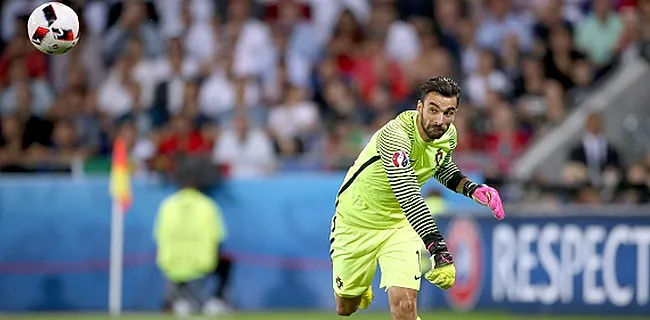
[308, 316]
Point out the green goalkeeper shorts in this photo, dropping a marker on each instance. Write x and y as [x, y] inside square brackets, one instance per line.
[356, 252]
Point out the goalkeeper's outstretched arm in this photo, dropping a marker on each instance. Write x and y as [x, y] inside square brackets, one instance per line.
[393, 142]
[451, 177]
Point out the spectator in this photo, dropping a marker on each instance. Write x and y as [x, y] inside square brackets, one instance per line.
[79, 69]
[400, 40]
[599, 33]
[323, 74]
[141, 149]
[274, 83]
[342, 145]
[139, 114]
[574, 175]
[114, 96]
[431, 59]
[505, 141]
[12, 9]
[11, 143]
[339, 104]
[285, 65]
[509, 56]
[20, 51]
[173, 15]
[247, 152]
[529, 84]
[77, 79]
[66, 146]
[486, 78]
[560, 57]
[37, 129]
[75, 107]
[178, 139]
[181, 138]
[595, 152]
[293, 122]
[200, 37]
[176, 64]
[468, 47]
[222, 91]
[41, 95]
[191, 109]
[449, 17]
[588, 196]
[174, 72]
[246, 38]
[644, 16]
[346, 38]
[501, 23]
[462, 124]
[573, 10]
[375, 70]
[555, 108]
[627, 47]
[636, 187]
[292, 20]
[134, 20]
[582, 76]
[144, 72]
[549, 17]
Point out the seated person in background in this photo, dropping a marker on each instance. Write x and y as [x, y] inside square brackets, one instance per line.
[636, 185]
[595, 152]
[188, 232]
[245, 151]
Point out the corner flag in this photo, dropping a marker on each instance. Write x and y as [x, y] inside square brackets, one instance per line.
[120, 191]
[120, 184]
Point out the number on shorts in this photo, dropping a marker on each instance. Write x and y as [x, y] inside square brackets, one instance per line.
[417, 253]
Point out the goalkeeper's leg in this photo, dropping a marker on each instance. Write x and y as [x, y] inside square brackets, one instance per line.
[347, 306]
[354, 262]
[401, 272]
[403, 303]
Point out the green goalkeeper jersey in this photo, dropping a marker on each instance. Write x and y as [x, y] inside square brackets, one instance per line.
[382, 190]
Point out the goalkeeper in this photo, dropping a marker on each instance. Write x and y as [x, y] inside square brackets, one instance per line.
[381, 217]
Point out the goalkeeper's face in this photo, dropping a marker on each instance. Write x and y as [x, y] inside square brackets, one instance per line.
[436, 113]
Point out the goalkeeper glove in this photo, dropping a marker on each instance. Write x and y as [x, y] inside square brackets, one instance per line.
[489, 197]
[443, 271]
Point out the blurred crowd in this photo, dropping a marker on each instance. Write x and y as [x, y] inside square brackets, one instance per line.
[268, 85]
[595, 173]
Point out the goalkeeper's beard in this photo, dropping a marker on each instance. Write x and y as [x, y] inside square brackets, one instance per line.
[432, 131]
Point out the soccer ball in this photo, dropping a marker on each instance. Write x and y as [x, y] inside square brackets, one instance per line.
[53, 28]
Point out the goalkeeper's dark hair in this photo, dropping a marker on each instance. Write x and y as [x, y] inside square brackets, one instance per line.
[444, 86]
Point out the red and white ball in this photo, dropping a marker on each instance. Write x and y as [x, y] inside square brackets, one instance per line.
[53, 28]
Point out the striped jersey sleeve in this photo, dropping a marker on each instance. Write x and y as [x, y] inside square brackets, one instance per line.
[448, 169]
[394, 147]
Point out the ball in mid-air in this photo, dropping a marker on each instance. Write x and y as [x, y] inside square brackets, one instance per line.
[53, 28]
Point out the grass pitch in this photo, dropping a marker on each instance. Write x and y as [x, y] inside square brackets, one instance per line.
[310, 316]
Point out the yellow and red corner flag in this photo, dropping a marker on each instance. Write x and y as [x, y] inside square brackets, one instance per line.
[120, 184]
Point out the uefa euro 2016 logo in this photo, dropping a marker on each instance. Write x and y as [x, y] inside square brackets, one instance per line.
[400, 159]
[464, 242]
